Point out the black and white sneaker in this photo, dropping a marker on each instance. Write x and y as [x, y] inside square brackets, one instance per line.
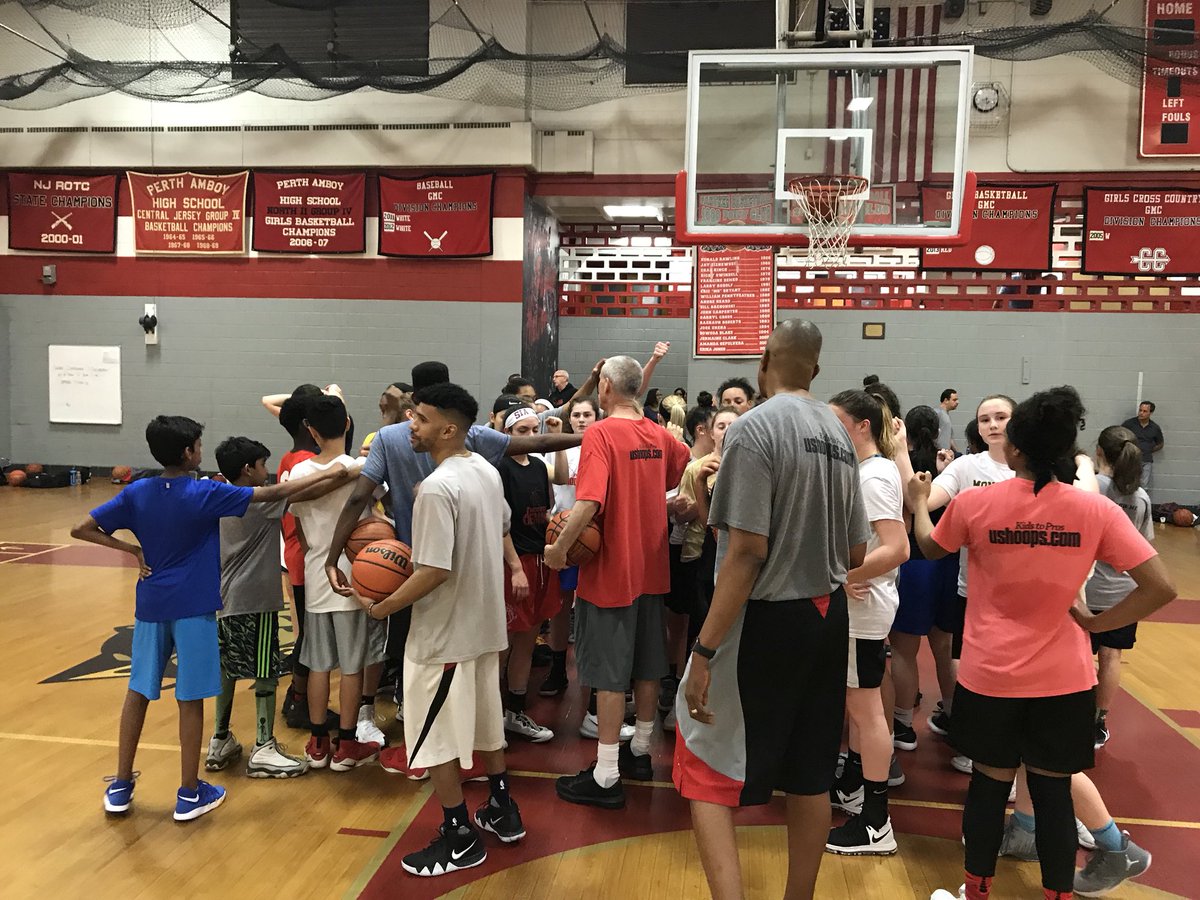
[939, 722]
[850, 802]
[904, 737]
[857, 838]
[448, 852]
[502, 821]
[634, 767]
[1101, 732]
[584, 790]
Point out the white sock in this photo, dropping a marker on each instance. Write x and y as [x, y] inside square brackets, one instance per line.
[640, 745]
[606, 772]
[903, 716]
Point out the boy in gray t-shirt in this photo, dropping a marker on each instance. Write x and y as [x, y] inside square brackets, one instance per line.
[248, 624]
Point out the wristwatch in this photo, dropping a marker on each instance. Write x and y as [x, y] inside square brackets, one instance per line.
[706, 652]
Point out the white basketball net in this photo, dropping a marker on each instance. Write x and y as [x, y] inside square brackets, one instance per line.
[830, 205]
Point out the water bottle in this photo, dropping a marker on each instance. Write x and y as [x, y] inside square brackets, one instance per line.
[74, 476]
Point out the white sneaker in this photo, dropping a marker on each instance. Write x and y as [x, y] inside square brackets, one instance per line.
[1012, 794]
[669, 722]
[590, 728]
[962, 764]
[1086, 839]
[851, 803]
[519, 723]
[367, 732]
[269, 761]
[222, 752]
[943, 894]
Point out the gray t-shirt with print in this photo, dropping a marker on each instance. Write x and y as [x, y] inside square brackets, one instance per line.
[250, 574]
[789, 472]
[1107, 587]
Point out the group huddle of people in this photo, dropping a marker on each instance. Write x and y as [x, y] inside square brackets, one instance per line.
[768, 562]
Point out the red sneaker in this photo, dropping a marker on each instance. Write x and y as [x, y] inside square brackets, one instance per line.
[395, 761]
[351, 754]
[316, 751]
[477, 772]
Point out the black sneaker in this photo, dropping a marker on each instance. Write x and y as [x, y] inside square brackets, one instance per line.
[1101, 732]
[904, 737]
[582, 789]
[542, 655]
[289, 705]
[857, 838]
[634, 767]
[461, 849]
[502, 821]
[666, 694]
[939, 723]
[556, 683]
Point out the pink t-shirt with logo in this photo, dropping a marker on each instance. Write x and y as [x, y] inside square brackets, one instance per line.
[1029, 557]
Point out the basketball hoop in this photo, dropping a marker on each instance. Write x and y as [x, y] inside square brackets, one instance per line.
[830, 205]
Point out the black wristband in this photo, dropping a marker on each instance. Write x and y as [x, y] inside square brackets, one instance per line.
[706, 652]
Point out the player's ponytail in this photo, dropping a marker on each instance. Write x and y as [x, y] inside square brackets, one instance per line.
[1122, 453]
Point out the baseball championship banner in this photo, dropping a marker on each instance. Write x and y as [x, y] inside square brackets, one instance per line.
[308, 213]
[188, 213]
[1170, 81]
[1141, 231]
[436, 216]
[1012, 229]
[63, 213]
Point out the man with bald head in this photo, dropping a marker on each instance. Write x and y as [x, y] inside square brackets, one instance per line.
[625, 462]
[761, 704]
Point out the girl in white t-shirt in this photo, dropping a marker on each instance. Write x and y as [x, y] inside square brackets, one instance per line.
[872, 600]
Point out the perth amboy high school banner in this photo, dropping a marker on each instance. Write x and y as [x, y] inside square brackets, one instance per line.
[184, 212]
[299, 212]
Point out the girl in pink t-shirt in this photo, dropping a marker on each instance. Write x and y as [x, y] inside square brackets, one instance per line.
[1026, 691]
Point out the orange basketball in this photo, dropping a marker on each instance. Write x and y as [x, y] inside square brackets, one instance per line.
[586, 545]
[121, 474]
[1183, 518]
[368, 531]
[33, 469]
[381, 567]
[16, 477]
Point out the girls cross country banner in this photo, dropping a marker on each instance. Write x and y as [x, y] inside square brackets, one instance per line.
[436, 216]
[309, 213]
[1141, 231]
[63, 213]
[188, 213]
[1012, 228]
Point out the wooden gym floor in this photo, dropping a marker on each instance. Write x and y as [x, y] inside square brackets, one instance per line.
[67, 609]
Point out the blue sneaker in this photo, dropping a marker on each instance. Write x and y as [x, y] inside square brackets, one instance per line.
[193, 804]
[118, 796]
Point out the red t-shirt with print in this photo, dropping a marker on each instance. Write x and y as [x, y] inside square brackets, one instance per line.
[293, 556]
[1029, 557]
[627, 466]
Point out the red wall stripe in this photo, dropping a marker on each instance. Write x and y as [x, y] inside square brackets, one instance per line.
[321, 278]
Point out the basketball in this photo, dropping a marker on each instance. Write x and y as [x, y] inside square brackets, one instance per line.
[368, 531]
[381, 567]
[121, 474]
[33, 469]
[586, 545]
[1183, 518]
[16, 477]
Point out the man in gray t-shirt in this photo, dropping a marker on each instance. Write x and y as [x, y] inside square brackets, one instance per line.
[762, 702]
[949, 403]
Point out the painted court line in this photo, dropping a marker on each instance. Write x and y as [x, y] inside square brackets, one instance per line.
[415, 804]
[363, 832]
[85, 742]
[32, 555]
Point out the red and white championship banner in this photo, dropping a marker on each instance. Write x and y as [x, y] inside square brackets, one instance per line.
[1141, 231]
[436, 216]
[309, 213]
[1171, 80]
[188, 213]
[1012, 229]
[734, 305]
[63, 213]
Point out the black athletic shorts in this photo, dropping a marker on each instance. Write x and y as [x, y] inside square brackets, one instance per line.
[1055, 734]
[682, 599]
[958, 619]
[1117, 639]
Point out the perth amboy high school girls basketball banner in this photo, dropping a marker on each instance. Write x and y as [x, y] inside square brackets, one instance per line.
[1141, 231]
[1011, 228]
[436, 216]
[309, 213]
[64, 213]
[184, 212]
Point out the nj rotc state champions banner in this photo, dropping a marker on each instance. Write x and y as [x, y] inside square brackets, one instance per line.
[63, 213]
[436, 216]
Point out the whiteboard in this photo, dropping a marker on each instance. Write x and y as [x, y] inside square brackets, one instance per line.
[85, 384]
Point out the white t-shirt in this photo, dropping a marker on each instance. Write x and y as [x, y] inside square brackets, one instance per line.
[564, 494]
[883, 497]
[970, 471]
[459, 522]
[318, 520]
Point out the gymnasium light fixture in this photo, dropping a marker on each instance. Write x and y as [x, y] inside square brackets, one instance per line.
[859, 104]
[634, 211]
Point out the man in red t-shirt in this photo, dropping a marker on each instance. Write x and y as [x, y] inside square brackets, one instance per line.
[626, 466]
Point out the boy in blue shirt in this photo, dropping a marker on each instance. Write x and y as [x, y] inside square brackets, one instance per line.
[176, 521]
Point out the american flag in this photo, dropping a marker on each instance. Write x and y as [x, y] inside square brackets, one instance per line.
[903, 110]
